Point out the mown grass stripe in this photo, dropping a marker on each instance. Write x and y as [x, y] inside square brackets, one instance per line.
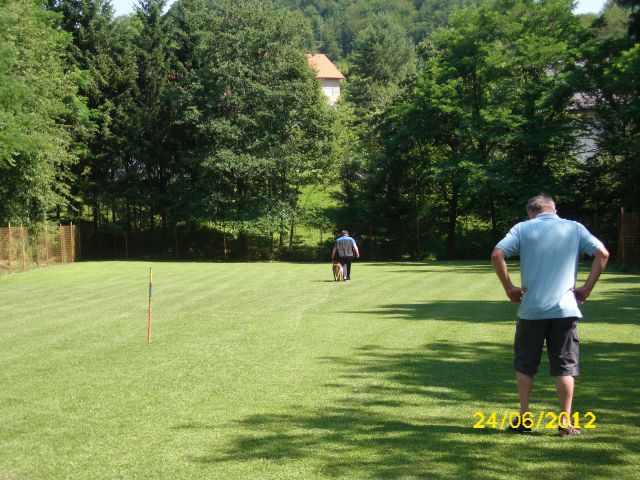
[272, 370]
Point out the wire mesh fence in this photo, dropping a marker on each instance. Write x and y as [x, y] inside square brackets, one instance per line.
[22, 249]
[312, 236]
[629, 240]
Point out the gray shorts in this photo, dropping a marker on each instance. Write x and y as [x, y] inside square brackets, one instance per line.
[563, 346]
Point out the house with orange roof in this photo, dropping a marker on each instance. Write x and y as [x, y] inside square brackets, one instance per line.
[330, 77]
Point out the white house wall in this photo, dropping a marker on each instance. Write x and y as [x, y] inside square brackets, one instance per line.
[331, 89]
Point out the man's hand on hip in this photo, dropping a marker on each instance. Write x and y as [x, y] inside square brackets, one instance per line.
[515, 293]
[581, 293]
[500, 266]
[600, 258]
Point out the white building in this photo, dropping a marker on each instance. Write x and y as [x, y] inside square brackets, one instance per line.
[330, 77]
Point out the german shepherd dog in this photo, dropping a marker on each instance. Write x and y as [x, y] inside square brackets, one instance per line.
[338, 273]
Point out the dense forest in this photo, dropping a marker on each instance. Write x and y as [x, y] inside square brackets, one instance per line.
[197, 130]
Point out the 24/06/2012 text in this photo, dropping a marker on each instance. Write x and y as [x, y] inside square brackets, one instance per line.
[548, 420]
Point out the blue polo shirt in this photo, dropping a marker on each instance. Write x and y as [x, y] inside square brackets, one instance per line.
[549, 248]
[345, 246]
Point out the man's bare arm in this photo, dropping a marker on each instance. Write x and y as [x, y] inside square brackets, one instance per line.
[498, 259]
[600, 259]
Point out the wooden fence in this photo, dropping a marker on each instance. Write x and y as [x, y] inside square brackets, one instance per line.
[629, 240]
[22, 249]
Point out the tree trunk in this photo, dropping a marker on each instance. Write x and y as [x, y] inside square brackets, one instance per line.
[494, 222]
[453, 216]
[96, 215]
[175, 238]
[371, 254]
[418, 242]
[291, 229]
[243, 240]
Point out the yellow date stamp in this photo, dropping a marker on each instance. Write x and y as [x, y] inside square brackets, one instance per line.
[544, 420]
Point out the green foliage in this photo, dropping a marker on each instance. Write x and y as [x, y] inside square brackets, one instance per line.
[158, 146]
[486, 123]
[261, 127]
[206, 113]
[612, 22]
[611, 71]
[38, 107]
[337, 23]
[103, 55]
[383, 56]
[633, 22]
[453, 113]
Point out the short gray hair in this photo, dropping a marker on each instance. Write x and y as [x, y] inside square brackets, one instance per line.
[541, 203]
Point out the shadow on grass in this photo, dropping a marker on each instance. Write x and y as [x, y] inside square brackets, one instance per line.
[620, 306]
[438, 267]
[450, 311]
[443, 372]
[358, 444]
[362, 429]
[407, 413]
[625, 311]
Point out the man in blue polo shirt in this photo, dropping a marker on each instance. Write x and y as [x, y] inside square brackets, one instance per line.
[345, 251]
[549, 248]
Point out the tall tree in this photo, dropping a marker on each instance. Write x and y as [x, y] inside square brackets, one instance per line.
[634, 17]
[38, 110]
[157, 110]
[611, 68]
[610, 23]
[262, 127]
[101, 52]
[383, 56]
[487, 121]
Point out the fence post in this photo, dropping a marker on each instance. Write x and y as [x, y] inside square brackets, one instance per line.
[37, 250]
[24, 252]
[61, 243]
[9, 248]
[72, 239]
[224, 240]
[78, 247]
[46, 243]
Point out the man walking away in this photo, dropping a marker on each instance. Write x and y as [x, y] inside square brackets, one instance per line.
[549, 248]
[345, 251]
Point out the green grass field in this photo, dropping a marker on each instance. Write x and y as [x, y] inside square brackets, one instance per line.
[272, 371]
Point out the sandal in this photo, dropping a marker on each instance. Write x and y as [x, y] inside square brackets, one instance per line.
[568, 431]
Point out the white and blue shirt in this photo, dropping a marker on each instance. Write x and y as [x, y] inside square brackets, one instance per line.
[345, 246]
[549, 248]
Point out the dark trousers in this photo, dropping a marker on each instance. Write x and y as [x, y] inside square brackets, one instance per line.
[346, 268]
